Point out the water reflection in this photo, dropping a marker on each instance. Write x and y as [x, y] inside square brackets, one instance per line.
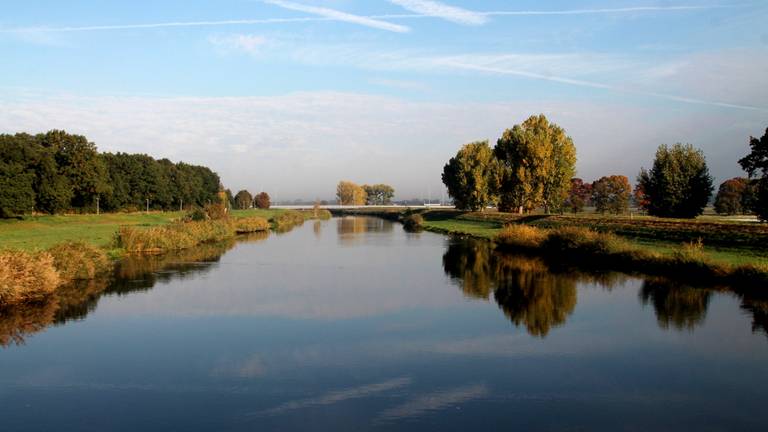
[134, 273]
[524, 288]
[541, 296]
[349, 229]
[680, 306]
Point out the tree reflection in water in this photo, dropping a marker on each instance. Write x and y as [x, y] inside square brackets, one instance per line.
[348, 229]
[134, 273]
[680, 306]
[524, 288]
[540, 296]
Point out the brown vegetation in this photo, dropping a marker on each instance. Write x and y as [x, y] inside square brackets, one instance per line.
[26, 277]
[180, 235]
[250, 225]
[79, 260]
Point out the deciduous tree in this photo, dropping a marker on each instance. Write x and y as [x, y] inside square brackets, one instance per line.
[262, 200]
[579, 195]
[733, 196]
[472, 176]
[611, 194]
[756, 165]
[538, 161]
[678, 184]
[379, 194]
[349, 193]
[243, 200]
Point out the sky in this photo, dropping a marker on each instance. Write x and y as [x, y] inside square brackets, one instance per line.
[292, 96]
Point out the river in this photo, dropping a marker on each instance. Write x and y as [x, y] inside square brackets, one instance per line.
[355, 324]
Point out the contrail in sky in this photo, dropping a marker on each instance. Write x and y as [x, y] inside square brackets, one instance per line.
[592, 84]
[324, 14]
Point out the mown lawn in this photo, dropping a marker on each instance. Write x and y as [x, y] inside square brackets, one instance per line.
[42, 232]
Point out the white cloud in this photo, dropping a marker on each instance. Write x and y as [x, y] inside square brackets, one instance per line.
[340, 16]
[442, 10]
[328, 135]
[247, 43]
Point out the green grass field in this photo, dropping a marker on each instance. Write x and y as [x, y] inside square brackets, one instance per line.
[42, 232]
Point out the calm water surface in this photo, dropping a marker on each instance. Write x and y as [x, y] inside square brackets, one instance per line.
[354, 324]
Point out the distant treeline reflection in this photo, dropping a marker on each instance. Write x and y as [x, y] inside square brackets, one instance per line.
[132, 274]
[541, 296]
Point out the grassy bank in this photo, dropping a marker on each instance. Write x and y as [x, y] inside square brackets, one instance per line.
[39, 254]
[737, 254]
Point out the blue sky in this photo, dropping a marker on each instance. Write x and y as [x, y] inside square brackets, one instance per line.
[291, 96]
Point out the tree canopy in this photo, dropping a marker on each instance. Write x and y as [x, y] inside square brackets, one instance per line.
[733, 196]
[56, 172]
[243, 200]
[262, 200]
[349, 193]
[472, 176]
[538, 161]
[379, 194]
[678, 185]
[579, 195]
[611, 194]
[756, 165]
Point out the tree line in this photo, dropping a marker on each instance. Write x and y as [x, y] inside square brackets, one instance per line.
[244, 200]
[532, 166]
[58, 172]
[349, 193]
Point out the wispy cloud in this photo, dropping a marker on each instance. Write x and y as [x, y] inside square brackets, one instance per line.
[603, 11]
[251, 44]
[400, 84]
[442, 10]
[337, 15]
[331, 398]
[46, 29]
[596, 85]
[432, 402]
[325, 14]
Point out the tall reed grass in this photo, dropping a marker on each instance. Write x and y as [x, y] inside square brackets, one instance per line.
[250, 225]
[79, 261]
[288, 219]
[26, 277]
[179, 235]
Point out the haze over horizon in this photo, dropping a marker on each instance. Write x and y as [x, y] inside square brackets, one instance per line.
[292, 96]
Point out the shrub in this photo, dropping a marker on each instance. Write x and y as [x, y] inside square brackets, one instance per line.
[323, 214]
[250, 225]
[216, 211]
[26, 277]
[523, 236]
[78, 260]
[413, 222]
[581, 241]
[262, 200]
[318, 213]
[195, 214]
[288, 219]
[175, 236]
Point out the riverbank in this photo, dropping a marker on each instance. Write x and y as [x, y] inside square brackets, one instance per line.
[719, 253]
[40, 254]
